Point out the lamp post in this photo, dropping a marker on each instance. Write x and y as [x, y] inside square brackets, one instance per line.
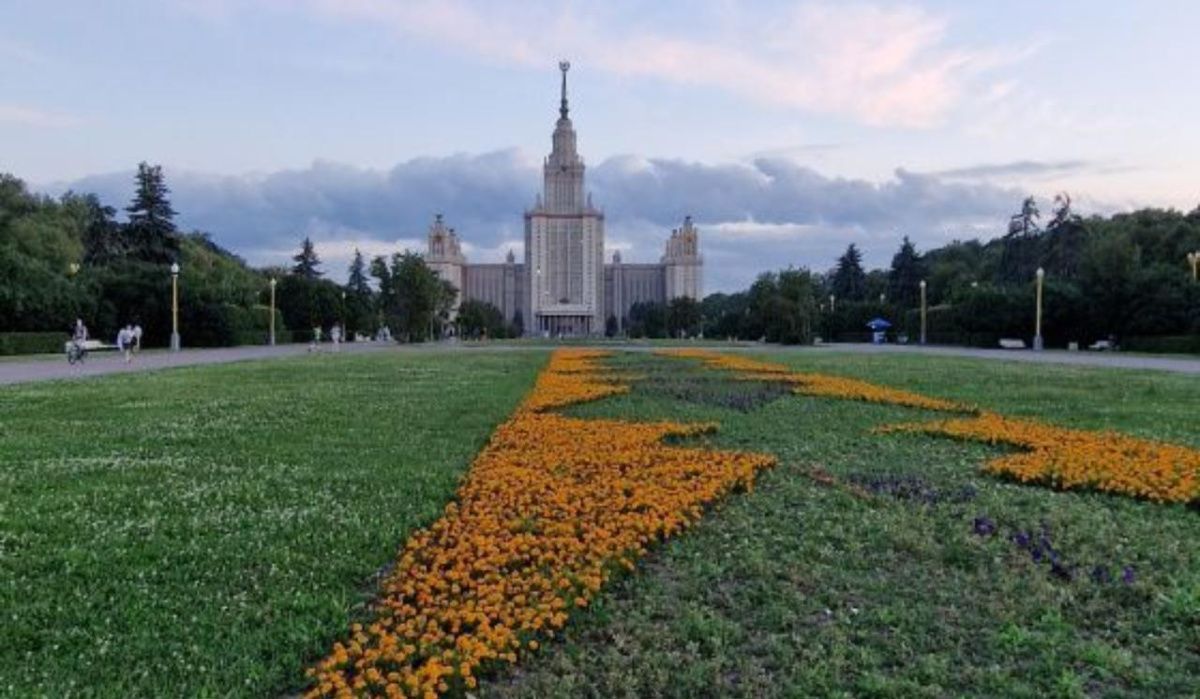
[832, 303]
[175, 344]
[271, 338]
[922, 311]
[1193, 258]
[343, 314]
[1037, 338]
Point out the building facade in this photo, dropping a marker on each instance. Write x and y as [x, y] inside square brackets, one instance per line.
[563, 287]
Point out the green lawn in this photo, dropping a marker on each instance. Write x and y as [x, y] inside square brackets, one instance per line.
[208, 531]
[799, 589]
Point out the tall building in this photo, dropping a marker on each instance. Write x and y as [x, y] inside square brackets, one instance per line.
[564, 288]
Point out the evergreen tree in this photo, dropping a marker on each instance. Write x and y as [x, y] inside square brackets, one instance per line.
[307, 261]
[151, 228]
[849, 279]
[356, 283]
[904, 279]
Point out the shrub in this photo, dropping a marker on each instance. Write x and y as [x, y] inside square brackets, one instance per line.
[32, 343]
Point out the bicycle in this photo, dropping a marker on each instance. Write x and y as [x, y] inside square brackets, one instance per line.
[76, 353]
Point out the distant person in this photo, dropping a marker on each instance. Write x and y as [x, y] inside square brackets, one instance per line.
[125, 342]
[137, 337]
[335, 336]
[79, 333]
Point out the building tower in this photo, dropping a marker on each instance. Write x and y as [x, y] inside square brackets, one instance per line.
[564, 242]
[444, 256]
[682, 264]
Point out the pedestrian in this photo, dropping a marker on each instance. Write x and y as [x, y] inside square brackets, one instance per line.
[335, 336]
[79, 334]
[125, 342]
[137, 337]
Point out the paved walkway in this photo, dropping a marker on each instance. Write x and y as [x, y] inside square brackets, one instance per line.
[1182, 365]
[44, 368]
[15, 370]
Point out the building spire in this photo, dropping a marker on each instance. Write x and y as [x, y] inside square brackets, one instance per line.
[564, 66]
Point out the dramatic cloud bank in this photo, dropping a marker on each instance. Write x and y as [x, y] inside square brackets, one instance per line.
[764, 215]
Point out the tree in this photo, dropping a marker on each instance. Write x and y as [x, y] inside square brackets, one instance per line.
[151, 232]
[307, 261]
[647, 319]
[102, 240]
[356, 282]
[904, 279]
[683, 317]
[849, 279]
[360, 302]
[411, 295]
[479, 319]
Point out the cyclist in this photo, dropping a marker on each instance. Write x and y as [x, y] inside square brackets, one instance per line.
[78, 348]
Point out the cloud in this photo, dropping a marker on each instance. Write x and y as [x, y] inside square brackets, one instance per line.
[753, 217]
[31, 116]
[884, 65]
[1019, 168]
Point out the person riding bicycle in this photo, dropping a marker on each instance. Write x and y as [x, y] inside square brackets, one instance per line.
[78, 348]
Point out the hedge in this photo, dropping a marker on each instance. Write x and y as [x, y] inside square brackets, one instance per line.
[1166, 344]
[32, 343]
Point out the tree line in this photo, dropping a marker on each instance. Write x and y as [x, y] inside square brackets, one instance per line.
[69, 257]
[1124, 277]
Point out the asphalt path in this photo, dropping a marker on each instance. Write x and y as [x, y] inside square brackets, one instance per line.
[48, 368]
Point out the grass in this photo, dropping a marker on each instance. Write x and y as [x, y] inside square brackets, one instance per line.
[207, 531]
[802, 589]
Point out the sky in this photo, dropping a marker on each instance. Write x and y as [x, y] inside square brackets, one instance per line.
[787, 129]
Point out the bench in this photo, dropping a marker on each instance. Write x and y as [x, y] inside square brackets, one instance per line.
[1010, 343]
[89, 345]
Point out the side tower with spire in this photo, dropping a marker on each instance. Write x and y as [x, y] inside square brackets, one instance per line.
[444, 256]
[682, 264]
[564, 242]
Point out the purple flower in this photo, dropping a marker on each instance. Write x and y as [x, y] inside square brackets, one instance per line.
[984, 526]
[1128, 575]
[1021, 539]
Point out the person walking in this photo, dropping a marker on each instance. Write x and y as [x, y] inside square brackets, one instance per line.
[125, 342]
[137, 337]
[335, 336]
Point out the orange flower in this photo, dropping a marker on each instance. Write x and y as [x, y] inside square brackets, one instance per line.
[550, 509]
[1066, 458]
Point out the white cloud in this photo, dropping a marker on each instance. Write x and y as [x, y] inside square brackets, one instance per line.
[31, 116]
[880, 64]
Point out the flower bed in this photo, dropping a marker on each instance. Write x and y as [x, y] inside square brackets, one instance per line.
[1066, 458]
[821, 385]
[551, 508]
[1060, 457]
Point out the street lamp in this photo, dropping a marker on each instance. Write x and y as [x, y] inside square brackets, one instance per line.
[343, 314]
[175, 307]
[1037, 338]
[1193, 258]
[922, 311]
[271, 339]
